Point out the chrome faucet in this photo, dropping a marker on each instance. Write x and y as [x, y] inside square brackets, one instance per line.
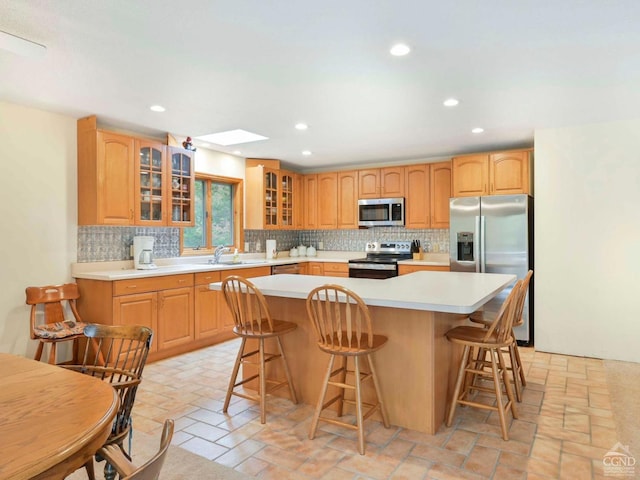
[217, 253]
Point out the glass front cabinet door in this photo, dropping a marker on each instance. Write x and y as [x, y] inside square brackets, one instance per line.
[150, 183]
[271, 198]
[181, 188]
[286, 193]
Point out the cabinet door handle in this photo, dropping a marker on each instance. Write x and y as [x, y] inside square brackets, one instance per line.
[492, 187]
[132, 286]
[131, 213]
[181, 280]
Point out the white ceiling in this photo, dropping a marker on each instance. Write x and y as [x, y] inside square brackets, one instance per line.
[264, 65]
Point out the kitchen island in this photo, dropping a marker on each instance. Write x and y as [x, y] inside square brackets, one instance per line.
[417, 366]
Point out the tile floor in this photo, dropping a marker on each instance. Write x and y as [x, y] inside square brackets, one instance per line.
[564, 429]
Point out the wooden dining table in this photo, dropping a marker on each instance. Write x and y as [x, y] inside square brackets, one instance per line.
[52, 420]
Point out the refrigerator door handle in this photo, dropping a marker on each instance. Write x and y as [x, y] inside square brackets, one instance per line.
[476, 244]
[483, 247]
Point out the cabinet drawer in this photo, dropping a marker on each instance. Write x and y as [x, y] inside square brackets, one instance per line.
[152, 284]
[330, 268]
[205, 278]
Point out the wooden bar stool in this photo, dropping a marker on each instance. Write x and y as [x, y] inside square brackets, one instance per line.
[517, 370]
[492, 340]
[342, 324]
[253, 321]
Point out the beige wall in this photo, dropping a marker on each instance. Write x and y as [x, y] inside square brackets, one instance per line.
[587, 234]
[38, 198]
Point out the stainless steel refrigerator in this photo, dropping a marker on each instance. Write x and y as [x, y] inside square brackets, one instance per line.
[494, 234]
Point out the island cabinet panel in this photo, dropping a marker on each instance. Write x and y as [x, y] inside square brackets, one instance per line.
[348, 199]
[381, 182]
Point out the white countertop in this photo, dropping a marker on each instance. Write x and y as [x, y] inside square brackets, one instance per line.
[123, 270]
[450, 292]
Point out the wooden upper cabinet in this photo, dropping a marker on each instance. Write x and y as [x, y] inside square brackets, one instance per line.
[428, 188]
[298, 201]
[151, 183]
[347, 199]
[498, 173]
[381, 182]
[327, 200]
[509, 173]
[181, 180]
[416, 213]
[271, 196]
[470, 175]
[124, 180]
[310, 201]
[105, 176]
[440, 189]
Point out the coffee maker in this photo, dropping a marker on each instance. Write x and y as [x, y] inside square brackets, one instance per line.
[143, 253]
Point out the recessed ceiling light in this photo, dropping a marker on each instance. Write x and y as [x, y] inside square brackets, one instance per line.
[399, 50]
[451, 102]
[157, 108]
[21, 46]
[477, 130]
[301, 126]
[232, 137]
[306, 152]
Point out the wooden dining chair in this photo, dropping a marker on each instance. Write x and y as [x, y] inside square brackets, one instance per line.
[342, 324]
[49, 321]
[151, 469]
[124, 350]
[474, 369]
[516, 368]
[253, 321]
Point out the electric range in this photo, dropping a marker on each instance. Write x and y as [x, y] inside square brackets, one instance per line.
[381, 260]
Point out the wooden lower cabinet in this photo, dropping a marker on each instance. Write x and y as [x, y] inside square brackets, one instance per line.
[330, 269]
[180, 309]
[404, 269]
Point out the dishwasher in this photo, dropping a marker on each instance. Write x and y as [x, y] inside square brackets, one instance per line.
[291, 269]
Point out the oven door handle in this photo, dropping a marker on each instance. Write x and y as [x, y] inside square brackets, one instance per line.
[373, 266]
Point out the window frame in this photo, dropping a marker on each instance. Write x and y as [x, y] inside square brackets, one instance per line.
[237, 185]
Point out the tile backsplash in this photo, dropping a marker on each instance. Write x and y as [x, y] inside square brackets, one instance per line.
[104, 244]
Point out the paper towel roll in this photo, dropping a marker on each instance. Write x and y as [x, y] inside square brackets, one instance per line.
[271, 249]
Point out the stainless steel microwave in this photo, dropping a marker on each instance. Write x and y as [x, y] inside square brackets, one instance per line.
[381, 212]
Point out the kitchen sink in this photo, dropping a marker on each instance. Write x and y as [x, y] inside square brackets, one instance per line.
[240, 262]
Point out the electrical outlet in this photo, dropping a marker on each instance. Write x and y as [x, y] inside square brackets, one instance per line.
[131, 251]
[320, 245]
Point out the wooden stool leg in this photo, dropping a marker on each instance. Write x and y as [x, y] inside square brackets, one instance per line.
[342, 379]
[234, 375]
[514, 372]
[263, 384]
[456, 391]
[507, 386]
[38, 354]
[359, 421]
[374, 375]
[498, 391]
[294, 399]
[323, 392]
[52, 353]
[523, 381]
[90, 470]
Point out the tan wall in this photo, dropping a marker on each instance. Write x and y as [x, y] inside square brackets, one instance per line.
[587, 234]
[38, 198]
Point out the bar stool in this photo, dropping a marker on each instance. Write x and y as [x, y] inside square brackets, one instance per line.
[517, 370]
[253, 321]
[342, 323]
[491, 340]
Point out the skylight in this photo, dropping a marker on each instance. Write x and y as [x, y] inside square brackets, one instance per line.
[232, 137]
